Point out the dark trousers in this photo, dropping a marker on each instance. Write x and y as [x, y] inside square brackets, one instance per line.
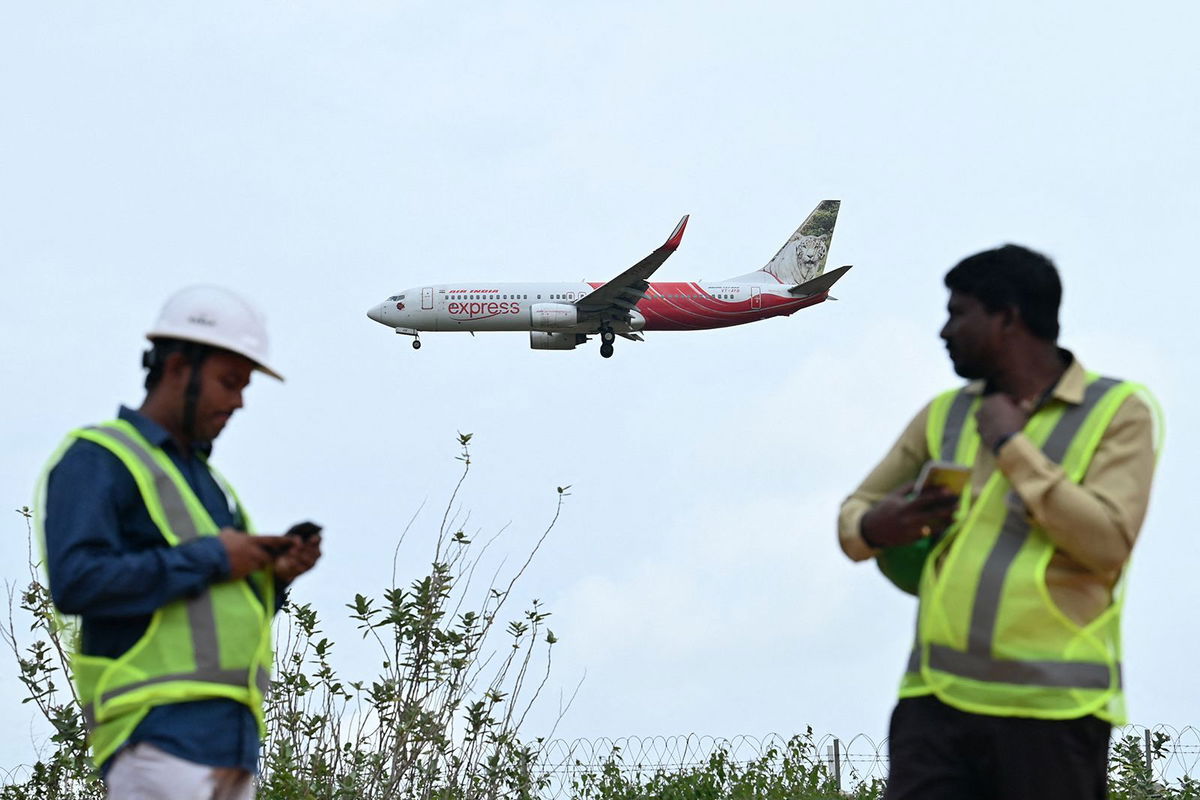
[940, 753]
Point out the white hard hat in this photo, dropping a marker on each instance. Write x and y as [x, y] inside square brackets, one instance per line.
[218, 317]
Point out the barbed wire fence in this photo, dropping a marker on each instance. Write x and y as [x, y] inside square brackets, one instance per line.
[15, 775]
[1181, 757]
[850, 761]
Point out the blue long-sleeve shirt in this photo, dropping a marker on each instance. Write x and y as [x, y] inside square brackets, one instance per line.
[109, 564]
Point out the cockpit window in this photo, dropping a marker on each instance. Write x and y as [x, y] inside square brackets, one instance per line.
[396, 297]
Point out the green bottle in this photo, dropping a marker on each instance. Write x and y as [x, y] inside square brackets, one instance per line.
[902, 565]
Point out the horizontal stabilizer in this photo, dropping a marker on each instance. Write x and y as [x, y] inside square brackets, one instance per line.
[819, 284]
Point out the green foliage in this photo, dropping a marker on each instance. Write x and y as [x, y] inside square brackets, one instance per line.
[64, 771]
[794, 772]
[440, 718]
[1132, 774]
[821, 221]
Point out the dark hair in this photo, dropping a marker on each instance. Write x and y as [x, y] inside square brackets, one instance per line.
[1013, 276]
[155, 359]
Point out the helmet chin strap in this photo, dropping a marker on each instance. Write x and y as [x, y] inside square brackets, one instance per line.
[191, 394]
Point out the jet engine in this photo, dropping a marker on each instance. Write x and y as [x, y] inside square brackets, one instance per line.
[540, 340]
[553, 316]
[637, 322]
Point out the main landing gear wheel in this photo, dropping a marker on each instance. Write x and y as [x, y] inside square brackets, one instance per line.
[606, 349]
[416, 344]
[607, 337]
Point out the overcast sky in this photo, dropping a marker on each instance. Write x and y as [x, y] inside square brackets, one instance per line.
[319, 156]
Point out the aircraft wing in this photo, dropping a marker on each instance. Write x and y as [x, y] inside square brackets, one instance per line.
[819, 284]
[615, 299]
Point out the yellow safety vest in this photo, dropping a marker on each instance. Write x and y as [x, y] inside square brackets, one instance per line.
[214, 645]
[990, 640]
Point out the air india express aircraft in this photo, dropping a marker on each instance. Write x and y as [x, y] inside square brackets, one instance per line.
[562, 316]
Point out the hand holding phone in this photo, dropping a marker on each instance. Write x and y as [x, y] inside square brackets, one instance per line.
[305, 530]
[304, 554]
[278, 546]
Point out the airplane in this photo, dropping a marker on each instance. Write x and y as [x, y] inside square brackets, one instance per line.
[562, 316]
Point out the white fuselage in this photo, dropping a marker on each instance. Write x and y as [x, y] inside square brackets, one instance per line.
[530, 306]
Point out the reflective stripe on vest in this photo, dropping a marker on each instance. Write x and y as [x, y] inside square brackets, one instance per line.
[956, 423]
[229, 677]
[953, 427]
[201, 616]
[977, 661]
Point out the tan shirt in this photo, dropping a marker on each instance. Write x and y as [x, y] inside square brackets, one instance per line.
[1093, 525]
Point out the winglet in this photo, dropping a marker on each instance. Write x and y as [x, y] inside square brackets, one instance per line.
[677, 235]
[621, 294]
[818, 285]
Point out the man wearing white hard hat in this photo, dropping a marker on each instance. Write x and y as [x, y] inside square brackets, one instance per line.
[150, 548]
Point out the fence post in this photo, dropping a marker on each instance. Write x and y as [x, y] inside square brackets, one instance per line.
[1149, 759]
[837, 763]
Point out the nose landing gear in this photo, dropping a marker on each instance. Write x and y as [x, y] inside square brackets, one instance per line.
[413, 333]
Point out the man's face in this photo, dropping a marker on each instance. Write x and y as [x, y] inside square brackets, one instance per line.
[223, 377]
[973, 336]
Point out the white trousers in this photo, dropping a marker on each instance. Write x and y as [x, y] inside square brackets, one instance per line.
[143, 772]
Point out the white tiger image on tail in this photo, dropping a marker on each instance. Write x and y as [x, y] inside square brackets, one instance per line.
[802, 257]
[810, 257]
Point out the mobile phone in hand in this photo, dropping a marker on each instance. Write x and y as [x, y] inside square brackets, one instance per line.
[950, 476]
[305, 530]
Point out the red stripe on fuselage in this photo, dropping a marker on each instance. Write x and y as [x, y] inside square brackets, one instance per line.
[688, 307]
